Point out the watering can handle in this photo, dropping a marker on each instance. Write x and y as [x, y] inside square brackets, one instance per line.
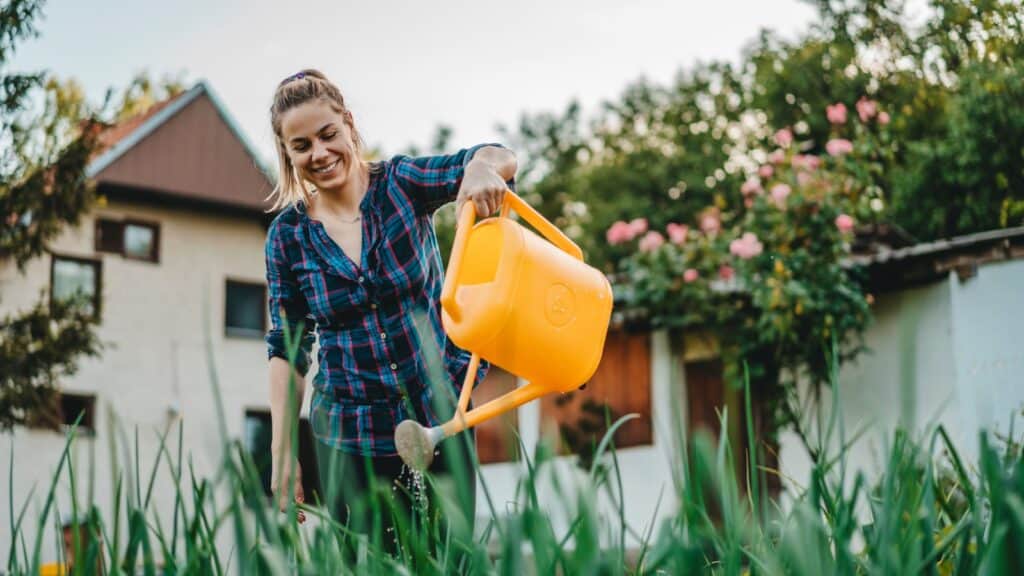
[466, 221]
[542, 224]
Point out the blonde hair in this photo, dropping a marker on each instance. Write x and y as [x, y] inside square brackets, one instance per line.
[296, 90]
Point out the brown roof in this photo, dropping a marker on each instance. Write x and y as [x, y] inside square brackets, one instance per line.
[114, 134]
[186, 147]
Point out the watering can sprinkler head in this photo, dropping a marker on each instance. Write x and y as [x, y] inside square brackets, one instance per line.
[416, 444]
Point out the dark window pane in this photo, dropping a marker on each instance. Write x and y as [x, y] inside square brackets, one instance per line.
[110, 236]
[257, 442]
[244, 309]
[74, 405]
[71, 277]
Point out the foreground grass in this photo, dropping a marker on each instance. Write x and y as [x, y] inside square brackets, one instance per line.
[928, 512]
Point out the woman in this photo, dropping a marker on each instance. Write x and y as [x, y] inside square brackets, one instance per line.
[353, 252]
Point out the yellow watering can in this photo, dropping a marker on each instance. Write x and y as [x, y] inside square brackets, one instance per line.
[530, 306]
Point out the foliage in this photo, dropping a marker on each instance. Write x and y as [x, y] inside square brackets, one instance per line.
[951, 82]
[34, 349]
[43, 188]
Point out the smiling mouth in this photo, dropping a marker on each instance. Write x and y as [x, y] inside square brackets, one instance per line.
[327, 168]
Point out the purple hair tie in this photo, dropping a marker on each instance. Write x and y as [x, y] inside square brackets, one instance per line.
[298, 76]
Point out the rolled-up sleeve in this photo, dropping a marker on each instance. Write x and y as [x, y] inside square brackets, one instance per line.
[287, 304]
[433, 181]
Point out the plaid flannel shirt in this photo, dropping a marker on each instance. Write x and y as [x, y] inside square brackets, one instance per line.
[382, 345]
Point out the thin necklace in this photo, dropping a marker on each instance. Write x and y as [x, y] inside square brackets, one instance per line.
[340, 219]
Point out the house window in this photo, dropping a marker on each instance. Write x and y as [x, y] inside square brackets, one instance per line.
[245, 307]
[258, 434]
[621, 385]
[257, 442]
[132, 239]
[496, 438]
[73, 406]
[70, 277]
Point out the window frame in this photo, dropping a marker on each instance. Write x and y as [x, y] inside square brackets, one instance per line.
[123, 223]
[237, 331]
[98, 288]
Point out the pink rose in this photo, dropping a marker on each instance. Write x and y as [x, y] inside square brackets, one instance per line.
[765, 171]
[866, 109]
[777, 156]
[838, 147]
[845, 223]
[806, 162]
[726, 272]
[746, 246]
[836, 113]
[651, 241]
[751, 187]
[619, 232]
[677, 232]
[690, 275]
[784, 137]
[883, 118]
[710, 224]
[780, 192]
[803, 178]
[638, 226]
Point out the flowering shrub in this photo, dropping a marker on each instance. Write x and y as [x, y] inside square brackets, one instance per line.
[765, 271]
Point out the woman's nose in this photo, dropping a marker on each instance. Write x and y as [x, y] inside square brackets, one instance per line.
[319, 152]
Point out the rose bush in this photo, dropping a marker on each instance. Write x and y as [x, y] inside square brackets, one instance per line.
[765, 271]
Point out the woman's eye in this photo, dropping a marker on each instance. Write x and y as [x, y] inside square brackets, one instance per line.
[330, 135]
[300, 148]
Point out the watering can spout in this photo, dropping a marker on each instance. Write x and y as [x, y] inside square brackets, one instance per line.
[519, 300]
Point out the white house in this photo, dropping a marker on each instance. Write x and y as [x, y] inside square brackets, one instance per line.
[175, 259]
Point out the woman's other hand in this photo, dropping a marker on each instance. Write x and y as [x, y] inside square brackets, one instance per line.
[286, 469]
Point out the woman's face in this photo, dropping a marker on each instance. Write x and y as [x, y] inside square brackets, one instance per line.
[320, 144]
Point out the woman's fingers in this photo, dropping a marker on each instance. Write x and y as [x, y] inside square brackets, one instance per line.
[488, 202]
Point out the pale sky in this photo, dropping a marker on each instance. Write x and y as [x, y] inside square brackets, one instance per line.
[405, 66]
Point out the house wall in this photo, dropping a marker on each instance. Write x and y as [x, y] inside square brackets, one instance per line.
[988, 321]
[155, 372]
[907, 376]
[948, 353]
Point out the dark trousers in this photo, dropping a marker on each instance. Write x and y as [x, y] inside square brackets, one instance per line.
[405, 500]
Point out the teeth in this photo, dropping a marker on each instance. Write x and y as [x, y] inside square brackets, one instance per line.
[327, 168]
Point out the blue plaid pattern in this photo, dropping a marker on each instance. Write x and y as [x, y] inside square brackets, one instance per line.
[382, 346]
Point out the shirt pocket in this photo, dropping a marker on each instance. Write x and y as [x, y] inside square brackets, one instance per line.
[406, 260]
[327, 293]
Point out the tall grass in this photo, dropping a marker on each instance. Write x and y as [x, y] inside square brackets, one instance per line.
[927, 512]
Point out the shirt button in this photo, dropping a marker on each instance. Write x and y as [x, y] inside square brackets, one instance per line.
[373, 306]
[394, 366]
[361, 278]
[383, 336]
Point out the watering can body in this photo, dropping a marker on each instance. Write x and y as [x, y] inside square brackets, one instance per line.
[525, 303]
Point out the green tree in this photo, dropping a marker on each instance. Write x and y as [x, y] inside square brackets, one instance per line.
[43, 188]
[952, 86]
